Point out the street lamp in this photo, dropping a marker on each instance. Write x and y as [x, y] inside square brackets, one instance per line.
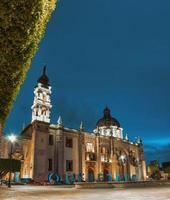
[12, 139]
[122, 160]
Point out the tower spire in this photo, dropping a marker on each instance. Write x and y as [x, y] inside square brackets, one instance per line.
[126, 137]
[81, 126]
[44, 70]
[44, 80]
[59, 121]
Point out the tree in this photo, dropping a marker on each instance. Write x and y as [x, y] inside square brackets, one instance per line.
[22, 26]
[166, 168]
[6, 164]
[154, 170]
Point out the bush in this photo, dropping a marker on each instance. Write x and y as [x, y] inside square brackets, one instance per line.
[22, 25]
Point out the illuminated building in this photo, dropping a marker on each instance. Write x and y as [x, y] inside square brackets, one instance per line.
[45, 148]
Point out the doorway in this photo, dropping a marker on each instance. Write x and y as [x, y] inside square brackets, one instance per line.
[90, 175]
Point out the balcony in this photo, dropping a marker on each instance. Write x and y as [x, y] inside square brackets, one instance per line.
[105, 158]
[90, 156]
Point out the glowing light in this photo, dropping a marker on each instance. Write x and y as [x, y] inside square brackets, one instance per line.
[12, 138]
[122, 157]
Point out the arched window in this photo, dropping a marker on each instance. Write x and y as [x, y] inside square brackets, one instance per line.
[89, 147]
[104, 150]
[44, 97]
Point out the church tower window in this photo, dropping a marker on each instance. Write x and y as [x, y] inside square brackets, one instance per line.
[69, 165]
[69, 142]
[50, 166]
[51, 141]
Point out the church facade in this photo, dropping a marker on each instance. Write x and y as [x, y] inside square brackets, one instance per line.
[105, 154]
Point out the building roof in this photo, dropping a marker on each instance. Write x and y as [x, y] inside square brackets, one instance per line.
[107, 119]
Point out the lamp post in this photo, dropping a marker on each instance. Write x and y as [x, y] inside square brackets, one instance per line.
[12, 139]
[122, 159]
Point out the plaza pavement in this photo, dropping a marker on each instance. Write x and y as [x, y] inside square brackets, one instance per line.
[70, 193]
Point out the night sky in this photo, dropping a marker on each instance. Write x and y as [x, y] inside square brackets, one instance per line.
[106, 52]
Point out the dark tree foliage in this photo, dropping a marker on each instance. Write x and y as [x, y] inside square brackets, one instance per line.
[22, 25]
[166, 167]
[5, 165]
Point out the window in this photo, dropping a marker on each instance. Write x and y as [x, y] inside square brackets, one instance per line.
[50, 139]
[39, 93]
[69, 165]
[43, 111]
[89, 147]
[44, 97]
[36, 112]
[69, 142]
[90, 156]
[50, 164]
[104, 150]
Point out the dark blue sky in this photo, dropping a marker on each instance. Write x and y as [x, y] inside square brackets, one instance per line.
[106, 52]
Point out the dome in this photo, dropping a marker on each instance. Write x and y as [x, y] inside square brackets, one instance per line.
[44, 78]
[107, 119]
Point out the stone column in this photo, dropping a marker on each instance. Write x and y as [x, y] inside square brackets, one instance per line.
[80, 151]
[142, 161]
[144, 170]
[59, 142]
[114, 167]
[112, 157]
[98, 157]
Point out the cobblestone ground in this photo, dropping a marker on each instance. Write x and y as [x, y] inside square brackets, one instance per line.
[58, 193]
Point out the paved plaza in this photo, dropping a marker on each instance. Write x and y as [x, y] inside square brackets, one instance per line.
[58, 193]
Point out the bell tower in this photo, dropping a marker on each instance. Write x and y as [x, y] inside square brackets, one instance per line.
[41, 107]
